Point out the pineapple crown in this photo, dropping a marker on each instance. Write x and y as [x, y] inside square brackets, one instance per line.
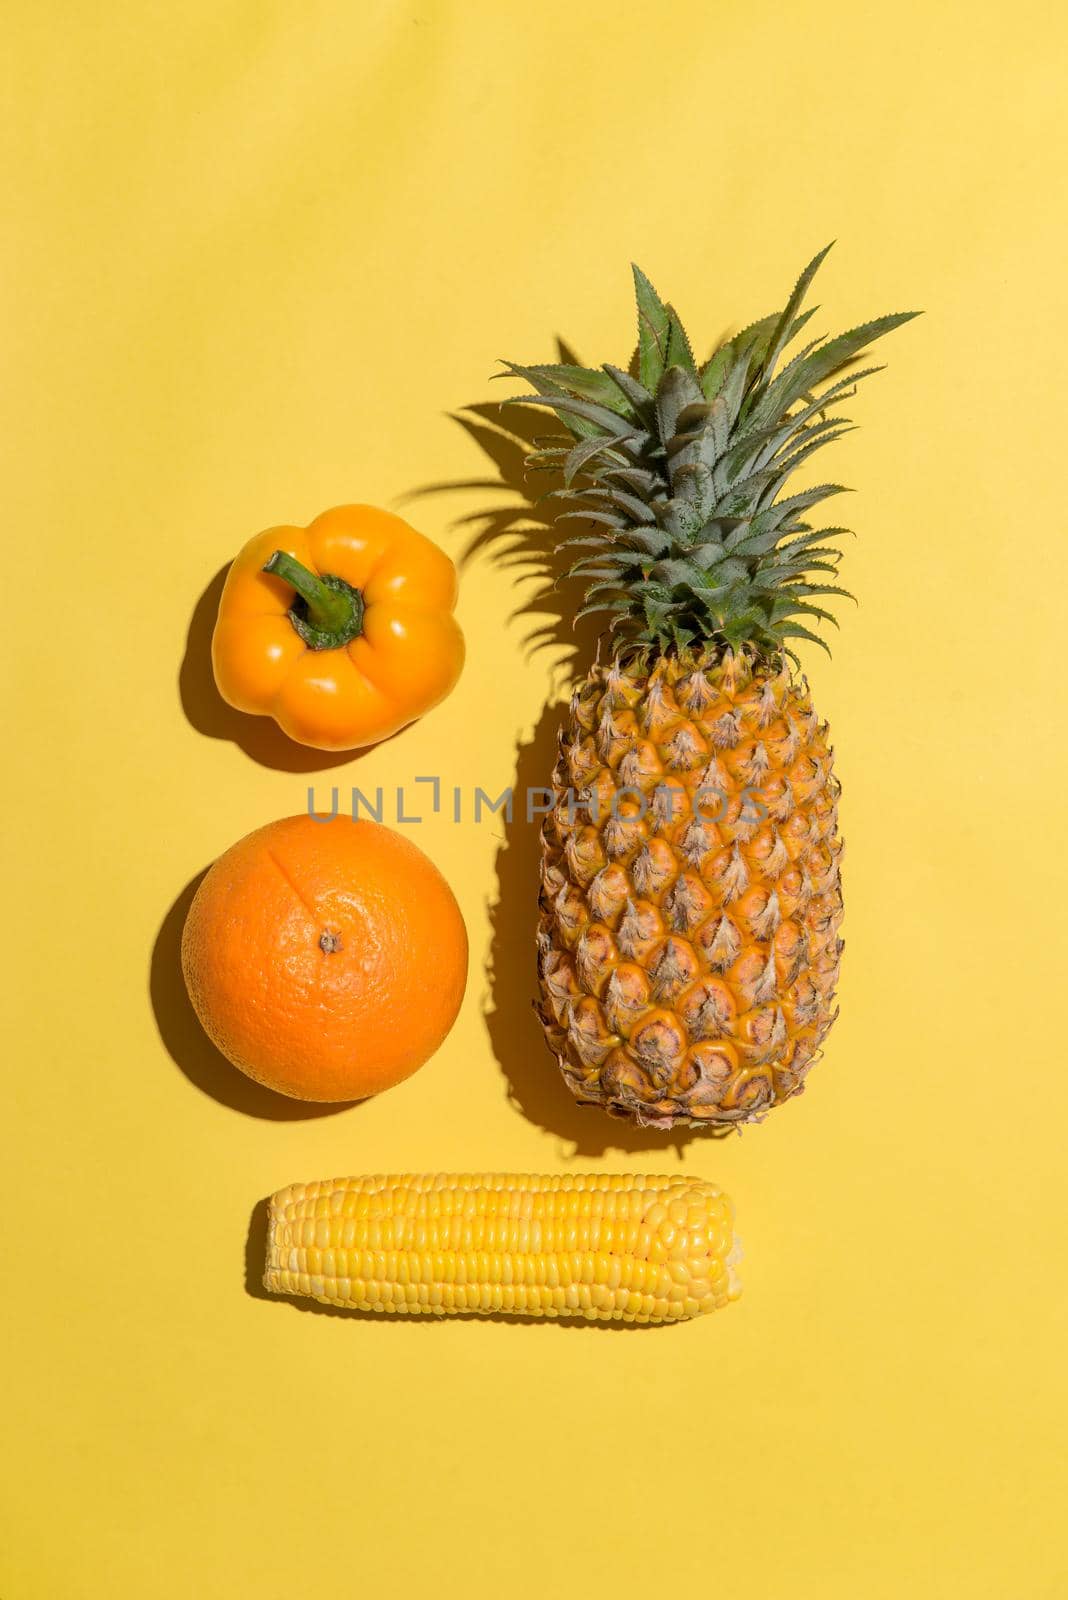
[681, 469]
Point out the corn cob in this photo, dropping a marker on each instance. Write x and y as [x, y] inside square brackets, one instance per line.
[624, 1248]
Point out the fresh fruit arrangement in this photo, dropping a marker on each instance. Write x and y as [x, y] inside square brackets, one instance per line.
[690, 892]
[342, 631]
[607, 1248]
[688, 947]
[327, 960]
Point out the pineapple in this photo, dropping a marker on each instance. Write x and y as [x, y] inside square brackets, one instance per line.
[690, 892]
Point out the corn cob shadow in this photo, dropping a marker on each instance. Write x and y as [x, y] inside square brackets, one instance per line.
[255, 1258]
[514, 534]
[189, 1046]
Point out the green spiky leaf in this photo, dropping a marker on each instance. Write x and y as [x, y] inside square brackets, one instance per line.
[678, 352]
[581, 383]
[686, 477]
[654, 323]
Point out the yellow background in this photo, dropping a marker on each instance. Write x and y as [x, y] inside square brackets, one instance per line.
[255, 257]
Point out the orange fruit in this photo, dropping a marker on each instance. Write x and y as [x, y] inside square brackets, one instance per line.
[327, 960]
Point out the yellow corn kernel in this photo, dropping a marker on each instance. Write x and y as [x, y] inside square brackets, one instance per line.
[610, 1248]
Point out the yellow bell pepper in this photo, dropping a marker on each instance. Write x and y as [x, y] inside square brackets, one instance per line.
[343, 631]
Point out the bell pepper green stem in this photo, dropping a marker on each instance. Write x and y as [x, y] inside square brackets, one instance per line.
[328, 609]
[328, 612]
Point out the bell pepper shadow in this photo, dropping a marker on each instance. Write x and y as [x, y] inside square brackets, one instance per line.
[260, 738]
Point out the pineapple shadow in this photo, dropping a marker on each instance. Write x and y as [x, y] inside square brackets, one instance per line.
[535, 1086]
[515, 532]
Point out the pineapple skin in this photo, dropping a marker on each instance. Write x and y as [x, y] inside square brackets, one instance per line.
[688, 947]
